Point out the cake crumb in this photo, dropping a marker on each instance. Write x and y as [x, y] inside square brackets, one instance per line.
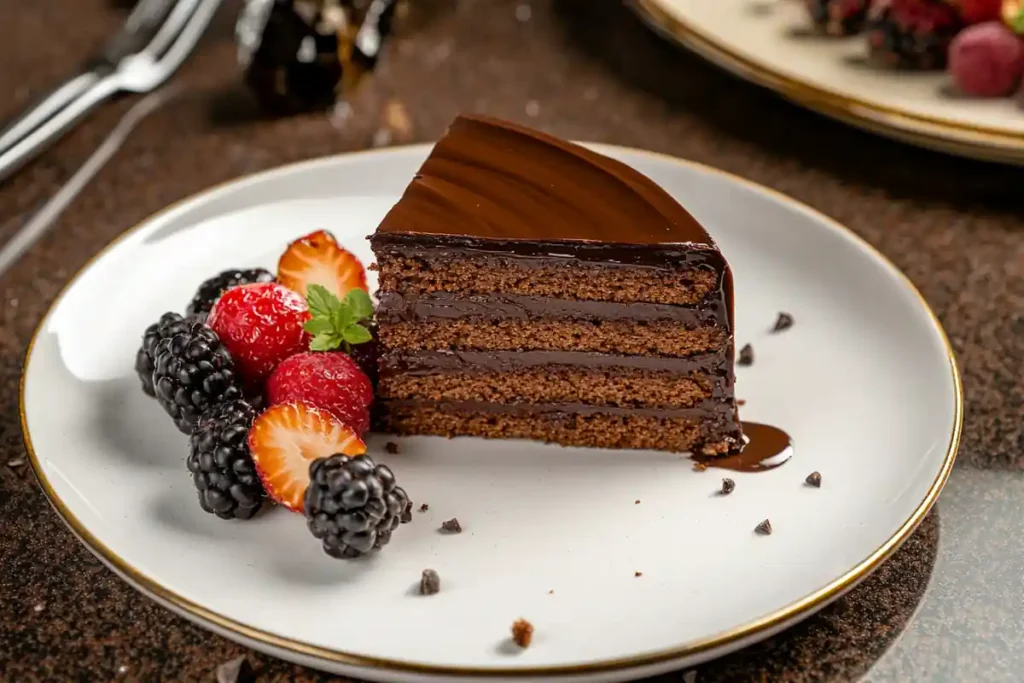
[430, 582]
[814, 479]
[551, 592]
[764, 528]
[741, 401]
[783, 322]
[424, 507]
[746, 355]
[638, 573]
[727, 486]
[699, 467]
[391, 447]
[522, 632]
[452, 526]
[636, 502]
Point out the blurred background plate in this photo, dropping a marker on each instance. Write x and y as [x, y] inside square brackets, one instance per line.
[770, 42]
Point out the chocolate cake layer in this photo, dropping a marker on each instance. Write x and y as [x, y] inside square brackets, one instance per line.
[397, 307]
[556, 384]
[613, 336]
[552, 278]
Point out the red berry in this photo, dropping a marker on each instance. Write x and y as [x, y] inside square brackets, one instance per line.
[987, 60]
[316, 259]
[286, 438]
[329, 380]
[261, 325]
[977, 11]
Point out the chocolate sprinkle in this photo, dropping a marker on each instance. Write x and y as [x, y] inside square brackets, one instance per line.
[238, 670]
[764, 528]
[424, 507]
[391, 447]
[746, 355]
[783, 322]
[452, 526]
[727, 486]
[430, 582]
[522, 632]
[814, 479]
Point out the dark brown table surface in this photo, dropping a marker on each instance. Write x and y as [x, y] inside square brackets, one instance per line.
[582, 69]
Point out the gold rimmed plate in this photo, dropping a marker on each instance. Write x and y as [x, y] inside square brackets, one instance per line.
[771, 43]
[864, 381]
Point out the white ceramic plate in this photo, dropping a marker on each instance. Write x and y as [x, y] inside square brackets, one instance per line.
[864, 382]
[769, 42]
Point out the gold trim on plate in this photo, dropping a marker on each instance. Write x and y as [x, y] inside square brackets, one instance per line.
[954, 137]
[258, 638]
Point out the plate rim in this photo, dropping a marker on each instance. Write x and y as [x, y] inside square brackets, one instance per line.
[765, 624]
[980, 142]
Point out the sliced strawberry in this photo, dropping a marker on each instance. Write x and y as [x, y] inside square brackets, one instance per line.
[316, 259]
[286, 438]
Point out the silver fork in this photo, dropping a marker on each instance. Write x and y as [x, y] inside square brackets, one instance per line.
[156, 39]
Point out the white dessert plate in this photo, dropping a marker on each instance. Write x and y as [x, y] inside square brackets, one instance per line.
[769, 42]
[864, 382]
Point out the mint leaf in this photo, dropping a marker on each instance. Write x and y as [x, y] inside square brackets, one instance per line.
[318, 326]
[325, 342]
[358, 302]
[356, 334]
[320, 301]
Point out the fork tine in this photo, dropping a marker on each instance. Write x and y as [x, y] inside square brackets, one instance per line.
[190, 34]
[172, 26]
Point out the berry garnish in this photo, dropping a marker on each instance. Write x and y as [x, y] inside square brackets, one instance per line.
[221, 466]
[977, 11]
[212, 289]
[352, 504]
[286, 438]
[261, 325]
[330, 380]
[317, 259]
[192, 372]
[338, 323]
[169, 325]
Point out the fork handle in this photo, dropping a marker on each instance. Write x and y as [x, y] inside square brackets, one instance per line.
[46, 130]
[48, 105]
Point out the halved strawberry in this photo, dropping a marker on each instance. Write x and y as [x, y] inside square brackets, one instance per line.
[286, 438]
[316, 259]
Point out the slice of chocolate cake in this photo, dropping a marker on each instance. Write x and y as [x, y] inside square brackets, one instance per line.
[531, 288]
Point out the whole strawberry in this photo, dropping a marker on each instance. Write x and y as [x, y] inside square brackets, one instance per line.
[260, 325]
[329, 380]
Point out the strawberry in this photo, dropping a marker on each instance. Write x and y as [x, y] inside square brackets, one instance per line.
[331, 381]
[260, 325]
[286, 438]
[316, 259]
[977, 11]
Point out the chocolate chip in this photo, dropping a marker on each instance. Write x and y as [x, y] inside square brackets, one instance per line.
[424, 507]
[814, 479]
[746, 355]
[727, 486]
[407, 514]
[764, 528]
[638, 573]
[391, 447]
[430, 582]
[452, 526]
[238, 670]
[522, 632]
[783, 322]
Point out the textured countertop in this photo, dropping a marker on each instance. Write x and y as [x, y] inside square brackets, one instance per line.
[943, 608]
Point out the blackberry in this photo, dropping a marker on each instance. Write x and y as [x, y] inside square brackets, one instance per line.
[838, 17]
[221, 465]
[911, 34]
[169, 325]
[208, 292]
[352, 504]
[192, 373]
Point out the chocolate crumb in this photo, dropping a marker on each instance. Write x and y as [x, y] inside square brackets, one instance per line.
[424, 507]
[430, 582]
[15, 463]
[407, 514]
[764, 528]
[452, 526]
[814, 479]
[636, 502]
[522, 632]
[238, 670]
[699, 467]
[551, 592]
[746, 355]
[638, 573]
[741, 401]
[391, 447]
[727, 486]
[783, 322]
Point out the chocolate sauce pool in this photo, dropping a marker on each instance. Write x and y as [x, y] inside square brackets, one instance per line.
[767, 448]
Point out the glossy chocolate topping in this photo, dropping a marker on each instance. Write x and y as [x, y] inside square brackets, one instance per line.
[496, 180]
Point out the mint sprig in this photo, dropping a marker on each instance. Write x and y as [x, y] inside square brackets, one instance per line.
[336, 323]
